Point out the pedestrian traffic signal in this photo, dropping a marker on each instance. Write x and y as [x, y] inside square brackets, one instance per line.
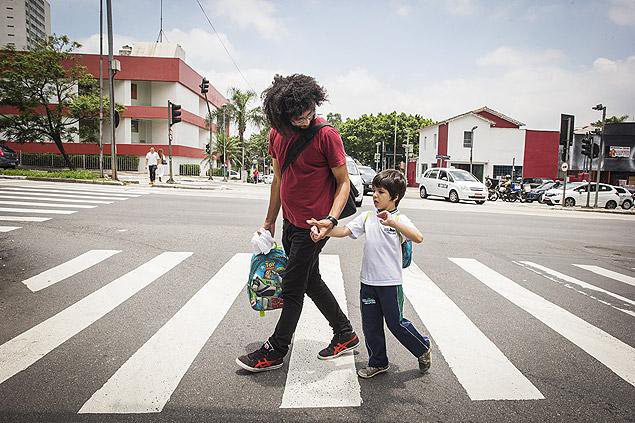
[175, 113]
[586, 146]
[204, 86]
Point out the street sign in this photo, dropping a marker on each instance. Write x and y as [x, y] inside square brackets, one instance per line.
[564, 167]
[442, 157]
[377, 157]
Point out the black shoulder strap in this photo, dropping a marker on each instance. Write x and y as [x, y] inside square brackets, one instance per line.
[306, 136]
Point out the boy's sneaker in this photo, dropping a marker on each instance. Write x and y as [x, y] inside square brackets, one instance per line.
[339, 345]
[263, 359]
[425, 361]
[368, 372]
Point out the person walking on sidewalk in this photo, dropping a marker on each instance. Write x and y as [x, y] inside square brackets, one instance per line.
[316, 184]
[381, 294]
[161, 164]
[152, 160]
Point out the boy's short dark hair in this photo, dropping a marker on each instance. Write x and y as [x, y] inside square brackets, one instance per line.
[392, 181]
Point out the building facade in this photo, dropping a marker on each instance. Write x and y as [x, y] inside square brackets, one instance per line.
[499, 146]
[151, 75]
[23, 22]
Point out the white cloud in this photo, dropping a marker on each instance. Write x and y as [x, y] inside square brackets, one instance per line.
[622, 12]
[402, 8]
[461, 7]
[534, 94]
[203, 48]
[91, 44]
[260, 15]
[508, 57]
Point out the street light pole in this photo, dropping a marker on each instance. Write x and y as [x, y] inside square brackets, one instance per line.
[101, 89]
[471, 146]
[394, 150]
[112, 70]
[601, 155]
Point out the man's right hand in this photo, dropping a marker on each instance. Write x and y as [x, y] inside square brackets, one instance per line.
[271, 227]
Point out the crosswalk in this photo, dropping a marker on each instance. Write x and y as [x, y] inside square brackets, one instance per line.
[36, 203]
[150, 376]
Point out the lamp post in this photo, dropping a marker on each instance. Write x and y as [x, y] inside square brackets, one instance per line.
[113, 66]
[601, 155]
[471, 146]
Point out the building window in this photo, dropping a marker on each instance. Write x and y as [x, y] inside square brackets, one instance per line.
[435, 143]
[424, 167]
[500, 170]
[133, 91]
[467, 139]
[135, 126]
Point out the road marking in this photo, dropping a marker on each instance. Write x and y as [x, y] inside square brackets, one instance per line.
[44, 194]
[27, 348]
[26, 203]
[24, 219]
[312, 382]
[570, 279]
[36, 211]
[452, 331]
[146, 381]
[69, 200]
[608, 273]
[64, 191]
[67, 269]
[9, 228]
[610, 351]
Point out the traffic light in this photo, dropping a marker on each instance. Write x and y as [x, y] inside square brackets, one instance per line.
[566, 129]
[208, 150]
[586, 146]
[175, 113]
[204, 86]
[596, 150]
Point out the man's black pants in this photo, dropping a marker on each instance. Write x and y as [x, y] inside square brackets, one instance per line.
[303, 277]
[153, 172]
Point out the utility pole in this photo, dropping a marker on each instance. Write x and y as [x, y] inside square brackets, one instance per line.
[224, 146]
[377, 156]
[394, 149]
[101, 89]
[471, 146]
[383, 155]
[204, 89]
[111, 71]
[601, 155]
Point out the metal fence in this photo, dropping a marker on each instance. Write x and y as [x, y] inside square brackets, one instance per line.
[79, 161]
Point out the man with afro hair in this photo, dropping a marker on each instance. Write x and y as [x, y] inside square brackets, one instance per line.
[314, 186]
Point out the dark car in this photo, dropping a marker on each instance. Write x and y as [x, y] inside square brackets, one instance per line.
[535, 182]
[367, 178]
[8, 157]
[536, 194]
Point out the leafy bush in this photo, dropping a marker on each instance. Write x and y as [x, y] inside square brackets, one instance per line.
[66, 174]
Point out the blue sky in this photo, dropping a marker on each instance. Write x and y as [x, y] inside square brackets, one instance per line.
[531, 60]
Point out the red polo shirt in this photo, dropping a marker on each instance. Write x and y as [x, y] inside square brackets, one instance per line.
[307, 189]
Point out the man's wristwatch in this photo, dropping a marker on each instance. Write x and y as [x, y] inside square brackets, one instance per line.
[332, 219]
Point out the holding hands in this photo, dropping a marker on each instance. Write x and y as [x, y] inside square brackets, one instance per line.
[320, 228]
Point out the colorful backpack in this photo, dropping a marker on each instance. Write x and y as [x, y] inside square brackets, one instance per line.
[406, 245]
[264, 286]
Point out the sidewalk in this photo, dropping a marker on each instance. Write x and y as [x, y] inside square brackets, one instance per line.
[186, 182]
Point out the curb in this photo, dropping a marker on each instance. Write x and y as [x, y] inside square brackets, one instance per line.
[68, 180]
[605, 211]
[191, 187]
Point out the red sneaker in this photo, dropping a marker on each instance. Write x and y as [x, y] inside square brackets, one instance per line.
[339, 345]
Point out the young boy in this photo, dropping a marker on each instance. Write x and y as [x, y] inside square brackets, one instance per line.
[381, 293]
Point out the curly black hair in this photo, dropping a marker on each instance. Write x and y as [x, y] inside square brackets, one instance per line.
[290, 96]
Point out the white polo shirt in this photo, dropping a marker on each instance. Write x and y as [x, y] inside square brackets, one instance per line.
[381, 265]
[152, 158]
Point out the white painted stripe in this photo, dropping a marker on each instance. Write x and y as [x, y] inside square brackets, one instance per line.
[45, 194]
[36, 211]
[570, 279]
[472, 356]
[78, 189]
[608, 273]
[312, 382]
[69, 191]
[610, 351]
[145, 383]
[28, 203]
[9, 228]
[68, 200]
[67, 269]
[24, 219]
[27, 348]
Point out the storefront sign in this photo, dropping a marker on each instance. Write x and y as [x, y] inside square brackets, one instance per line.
[619, 151]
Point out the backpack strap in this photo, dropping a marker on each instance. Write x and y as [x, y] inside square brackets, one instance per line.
[401, 240]
[366, 216]
[306, 136]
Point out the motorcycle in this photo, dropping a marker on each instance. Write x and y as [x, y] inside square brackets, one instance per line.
[492, 191]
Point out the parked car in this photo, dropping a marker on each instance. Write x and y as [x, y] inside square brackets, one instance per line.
[367, 178]
[576, 195]
[536, 194]
[626, 198]
[535, 182]
[233, 174]
[452, 184]
[356, 179]
[8, 157]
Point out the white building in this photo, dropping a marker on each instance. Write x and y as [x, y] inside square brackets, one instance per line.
[22, 22]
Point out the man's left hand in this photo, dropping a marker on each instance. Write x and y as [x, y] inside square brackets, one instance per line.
[322, 228]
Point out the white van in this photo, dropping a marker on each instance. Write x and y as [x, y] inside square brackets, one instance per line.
[452, 184]
[356, 178]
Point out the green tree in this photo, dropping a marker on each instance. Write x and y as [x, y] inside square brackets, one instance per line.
[612, 119]
[334, 119]
[230, 146]
[86, 109]
[360, 135]
[242, 115]
[257, 146]
[42, 85]
[222, 116]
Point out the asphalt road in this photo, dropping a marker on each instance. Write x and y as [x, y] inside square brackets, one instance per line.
[518, 332]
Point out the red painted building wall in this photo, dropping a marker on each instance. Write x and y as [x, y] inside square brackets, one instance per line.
[541, 154]
[500, 123]
[443, 143]
[89, 148]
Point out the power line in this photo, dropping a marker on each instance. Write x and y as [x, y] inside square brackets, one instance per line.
[221, 42]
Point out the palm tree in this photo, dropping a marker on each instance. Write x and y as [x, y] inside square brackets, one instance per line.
[242, 115]
[222, 116]
[612, 119]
